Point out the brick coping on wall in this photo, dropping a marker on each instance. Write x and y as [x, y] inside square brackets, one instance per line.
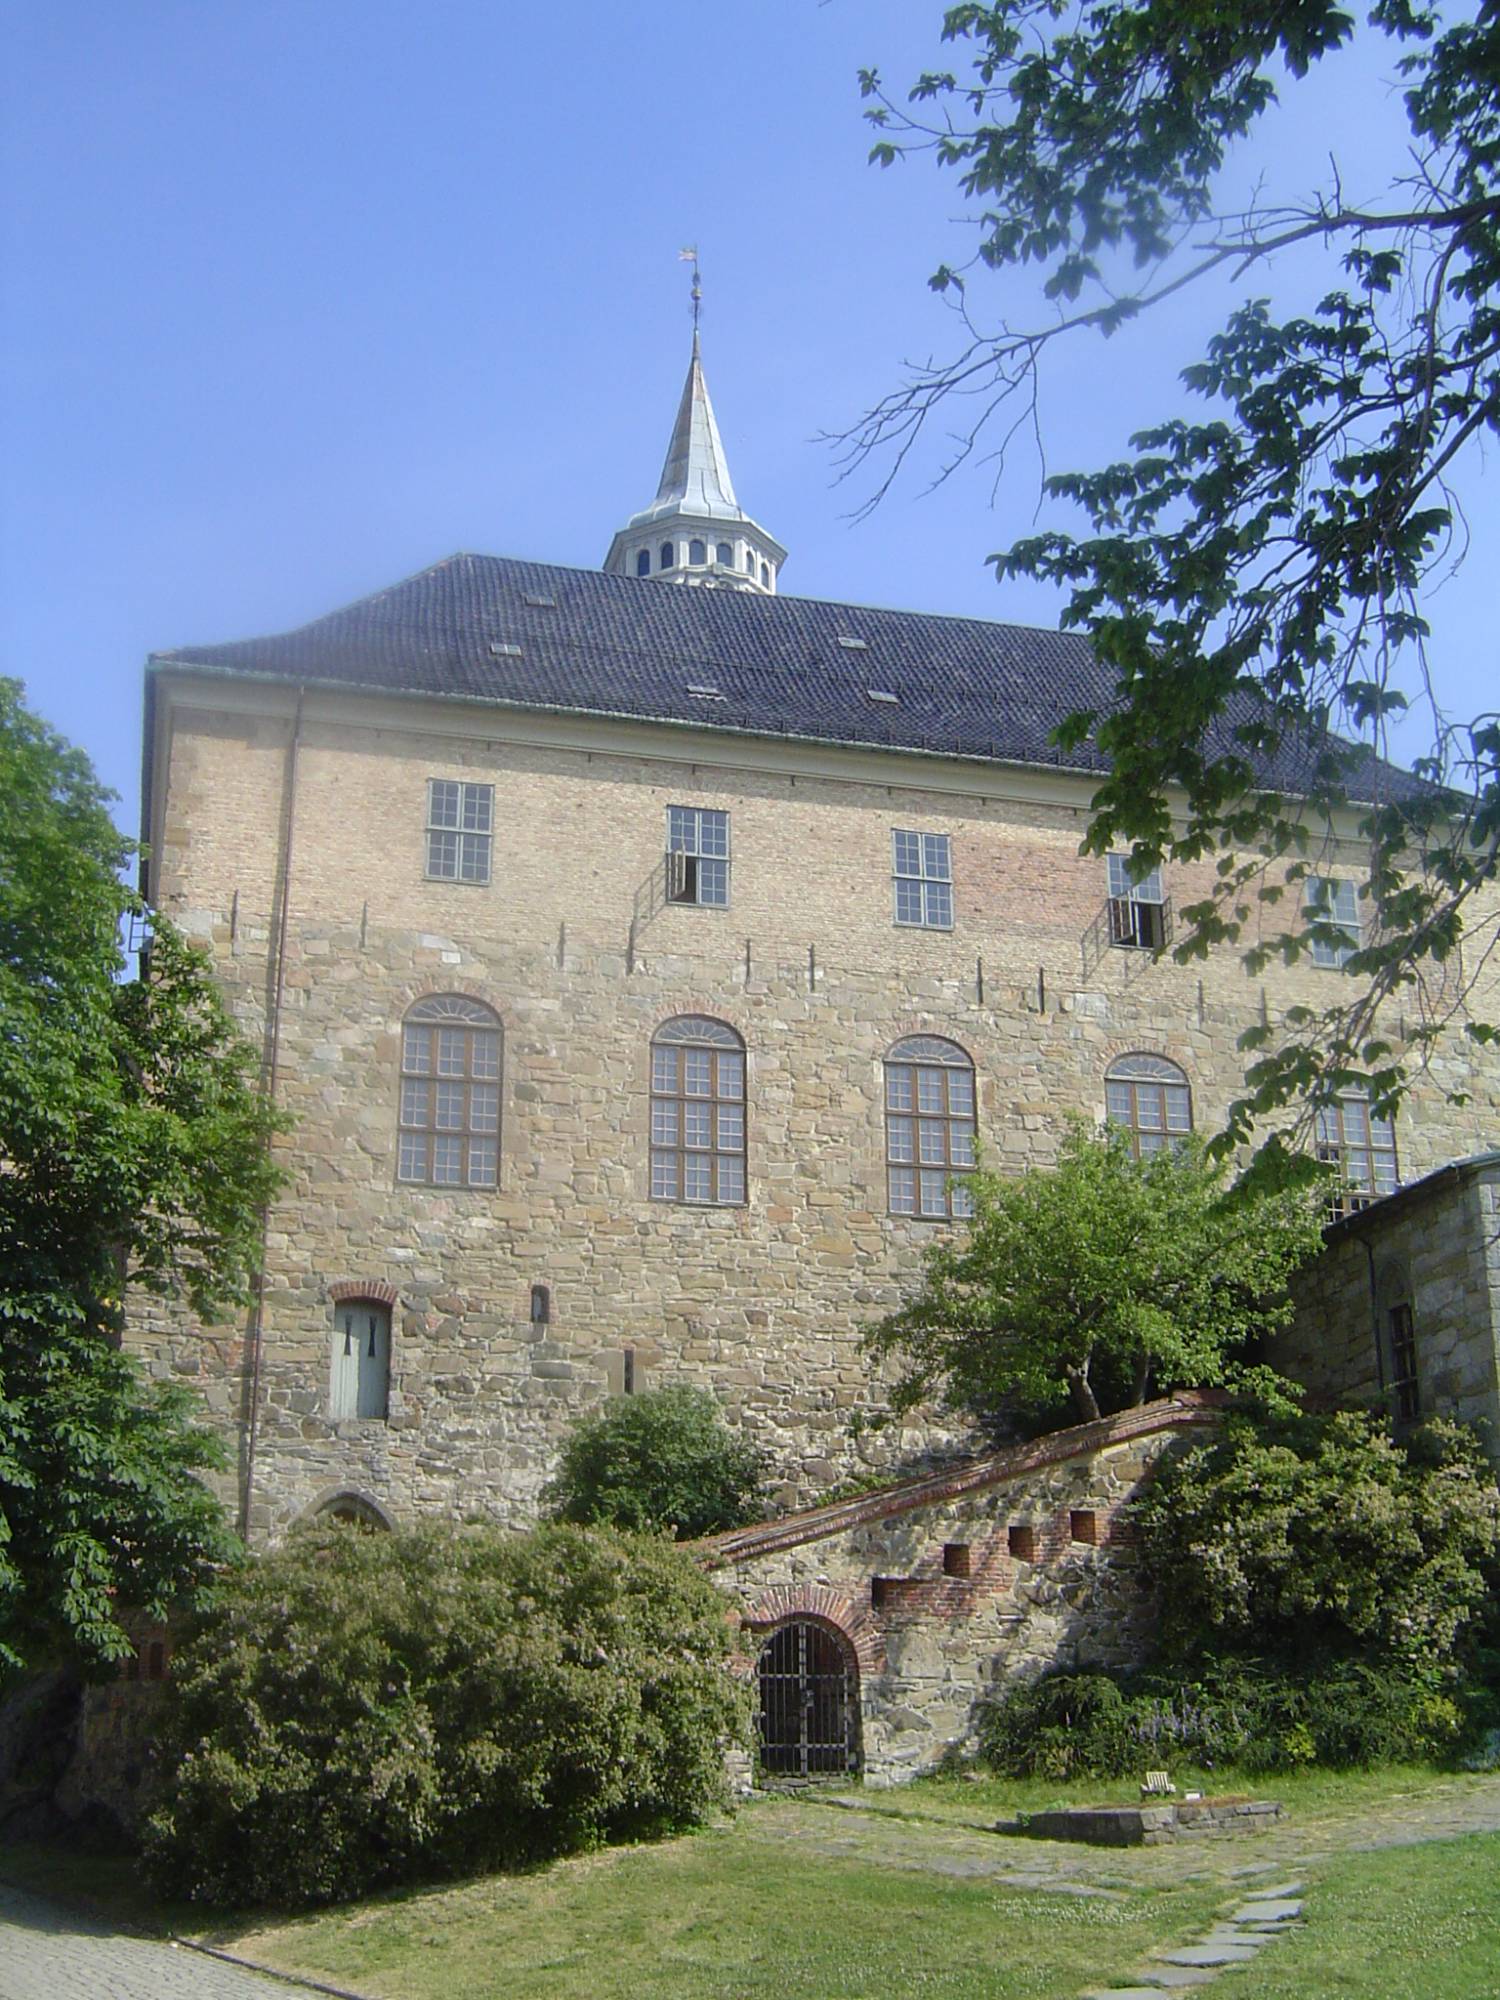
[1186, 1407]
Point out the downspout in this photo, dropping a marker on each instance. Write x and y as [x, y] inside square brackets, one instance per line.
[272, 1076]
[1375, 1318]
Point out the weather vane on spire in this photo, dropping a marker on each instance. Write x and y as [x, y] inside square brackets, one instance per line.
[690, 256]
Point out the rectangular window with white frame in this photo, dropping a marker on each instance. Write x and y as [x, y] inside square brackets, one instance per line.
[698, 856]
[1137, 908]
[460, 827]
[922, 870]
[1331, 900]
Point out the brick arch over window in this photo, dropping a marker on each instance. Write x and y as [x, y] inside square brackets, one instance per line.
[929, 1127]
[853, 1625]
[451, 1052]
[1151, 1099]
[344, 1289]
[697, 1112]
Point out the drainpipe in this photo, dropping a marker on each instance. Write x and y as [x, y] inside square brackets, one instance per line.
[272, 1074]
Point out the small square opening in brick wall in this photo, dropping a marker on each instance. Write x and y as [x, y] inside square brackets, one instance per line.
[1021, 1540]
[880, 1591]
[958, 1559]
[1083, 1525]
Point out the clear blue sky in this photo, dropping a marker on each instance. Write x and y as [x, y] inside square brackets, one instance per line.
[302, 297]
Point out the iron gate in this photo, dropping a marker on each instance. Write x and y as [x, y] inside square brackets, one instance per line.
[808, 1705]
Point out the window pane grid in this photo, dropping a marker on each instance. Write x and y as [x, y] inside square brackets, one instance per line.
[697, 1124]
[460, 822]
[922, 874]
[450, 1101]
[927, 1155]
[701, 836]
[1156, 1112]
[1348, 1135]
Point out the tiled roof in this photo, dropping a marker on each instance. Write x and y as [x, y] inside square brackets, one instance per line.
[531, 635]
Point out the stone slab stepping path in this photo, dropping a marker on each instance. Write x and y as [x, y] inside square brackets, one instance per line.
[1233, 1940]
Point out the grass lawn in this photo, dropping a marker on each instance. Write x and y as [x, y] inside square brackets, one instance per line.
[1407, 1923]
[761, 1907]
[795, 1899]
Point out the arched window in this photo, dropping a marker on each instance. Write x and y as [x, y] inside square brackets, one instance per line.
[355, 1511]
[697, 552]
[450, 1094]
[697, 1112]
[643, 562]
[360, 1383]
[750, 561]
[765, 574]
[1348, 1135]
[724, 554]
[929, 1127]
[668, 555]
[1149, 1098]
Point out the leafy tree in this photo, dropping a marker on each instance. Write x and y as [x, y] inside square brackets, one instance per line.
[664, 1460]
[1254, 578]
[357, 1710]
[1096, 1283]
[1292, 1535]
[133, 1151]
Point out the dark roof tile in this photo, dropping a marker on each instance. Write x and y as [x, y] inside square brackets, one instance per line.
[617, 646]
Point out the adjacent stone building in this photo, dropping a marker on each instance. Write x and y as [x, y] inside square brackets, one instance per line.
[641, 967]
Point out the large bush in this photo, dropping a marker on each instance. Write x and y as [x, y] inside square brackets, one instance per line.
[362, 1709]
[662, 1461]
[1296, 1536]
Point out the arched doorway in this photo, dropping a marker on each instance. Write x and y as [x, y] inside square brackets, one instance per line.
[809, 1702]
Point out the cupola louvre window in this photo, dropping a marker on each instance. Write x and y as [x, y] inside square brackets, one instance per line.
[724, 555]
[697, 552]
[698, 856]
[643, 562]
[697, 1112]
[668, 555]
[929, 1127]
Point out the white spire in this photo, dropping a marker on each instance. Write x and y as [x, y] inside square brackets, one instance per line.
[695, 531]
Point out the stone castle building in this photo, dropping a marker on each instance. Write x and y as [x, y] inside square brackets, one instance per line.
[640, 967]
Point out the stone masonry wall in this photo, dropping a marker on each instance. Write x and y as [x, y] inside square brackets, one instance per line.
[567, 942]
[1437, 1246]
[1051, 1581]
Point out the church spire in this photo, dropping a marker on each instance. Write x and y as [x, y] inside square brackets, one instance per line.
[695, 531]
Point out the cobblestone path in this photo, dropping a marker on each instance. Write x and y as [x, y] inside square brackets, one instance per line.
[47, 1953]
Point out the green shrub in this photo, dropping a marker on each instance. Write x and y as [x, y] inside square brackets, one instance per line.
[1295, 1536]
[662, 1461]
[359, 1710]
[1253, 1715]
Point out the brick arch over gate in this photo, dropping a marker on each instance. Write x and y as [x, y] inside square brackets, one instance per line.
[852, 1622]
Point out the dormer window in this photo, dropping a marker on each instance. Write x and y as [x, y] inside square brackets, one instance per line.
[643, 562]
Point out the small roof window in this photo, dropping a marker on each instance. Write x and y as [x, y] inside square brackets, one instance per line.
[882, 694]
[705, 692]
[852, 643]
[505, 649]
[541, 600]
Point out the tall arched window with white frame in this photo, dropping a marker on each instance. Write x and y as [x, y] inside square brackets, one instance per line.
[1151, 1099]
[450, 1094]
[929, 1128]
[697, 1113]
